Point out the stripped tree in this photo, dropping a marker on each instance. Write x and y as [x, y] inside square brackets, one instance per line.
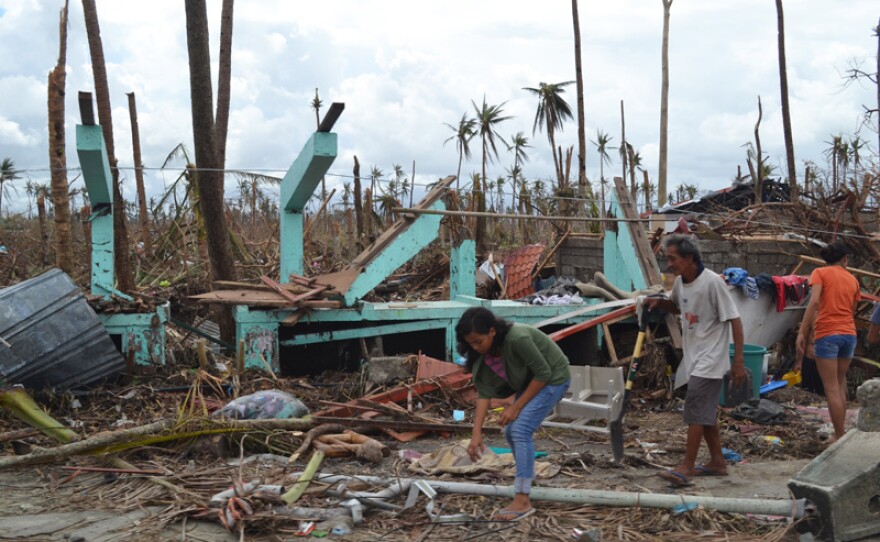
[57, 156]
[121, 258]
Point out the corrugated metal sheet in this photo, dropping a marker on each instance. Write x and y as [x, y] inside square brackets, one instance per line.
[55, 338]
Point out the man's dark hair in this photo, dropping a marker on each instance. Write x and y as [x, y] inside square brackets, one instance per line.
[833, 252]
[685, 246]
[478, 320]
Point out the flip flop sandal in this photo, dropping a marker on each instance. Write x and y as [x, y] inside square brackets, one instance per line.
[703, 470]
[510, 515]
[675, 479]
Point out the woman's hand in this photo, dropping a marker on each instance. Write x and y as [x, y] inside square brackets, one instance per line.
[476, 447]
[509, 415]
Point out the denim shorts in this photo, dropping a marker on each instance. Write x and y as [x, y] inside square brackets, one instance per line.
[835, 346]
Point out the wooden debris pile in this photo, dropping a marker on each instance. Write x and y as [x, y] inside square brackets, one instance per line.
[301, 293]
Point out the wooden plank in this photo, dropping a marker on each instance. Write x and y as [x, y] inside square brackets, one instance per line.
[586, 310]
[278, 289]
[362, 259]
[239, 285]
[609, 343]
[644, 254]
[599, 320]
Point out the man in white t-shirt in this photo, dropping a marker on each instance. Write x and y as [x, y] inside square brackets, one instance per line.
[708, 319]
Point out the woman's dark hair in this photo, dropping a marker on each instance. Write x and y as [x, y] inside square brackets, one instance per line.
[478, 320]
[833, 252]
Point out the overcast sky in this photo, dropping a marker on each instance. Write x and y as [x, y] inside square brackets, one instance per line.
[404, 68]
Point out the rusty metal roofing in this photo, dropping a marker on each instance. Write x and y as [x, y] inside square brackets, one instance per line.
[51, 336]
[519, 266]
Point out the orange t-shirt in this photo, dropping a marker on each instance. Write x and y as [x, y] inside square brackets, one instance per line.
[840, 291]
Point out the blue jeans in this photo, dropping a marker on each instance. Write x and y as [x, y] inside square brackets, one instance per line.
[519, 433]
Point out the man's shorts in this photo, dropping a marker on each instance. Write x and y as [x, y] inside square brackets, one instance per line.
[835, 346]
[701, 401]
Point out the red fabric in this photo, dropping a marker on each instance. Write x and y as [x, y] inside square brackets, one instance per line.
[789, 288]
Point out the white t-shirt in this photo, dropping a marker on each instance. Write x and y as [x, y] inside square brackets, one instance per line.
[706, 309]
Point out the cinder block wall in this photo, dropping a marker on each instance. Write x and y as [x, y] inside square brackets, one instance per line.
[582, 257]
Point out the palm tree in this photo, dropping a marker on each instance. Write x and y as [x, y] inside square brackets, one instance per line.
[376, 175]
[8, 173]
[518, 145]
[464, 132]
[488, 117]
[664, 106]
[41, 192]
[832, 153]
[601, 143]
[552, 111]
[856, 145]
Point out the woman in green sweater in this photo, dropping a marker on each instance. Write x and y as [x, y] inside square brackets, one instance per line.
[507, 359]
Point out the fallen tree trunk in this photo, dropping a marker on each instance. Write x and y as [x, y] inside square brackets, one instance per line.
[160, 431]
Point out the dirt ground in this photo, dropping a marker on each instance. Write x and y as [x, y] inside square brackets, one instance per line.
[53, 502]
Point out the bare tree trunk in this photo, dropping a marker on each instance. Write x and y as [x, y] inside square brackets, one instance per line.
[647, 191]
[579, 77]
[624, 155]
[759, 178]
[44, 232]
[138, 170]
[224, 80]
[57, 156]
[358, 202]
[877, 81]
[786, 112]
[209, 176]
[664, 107]
[630, 155]
[121, 259]
[412, 185]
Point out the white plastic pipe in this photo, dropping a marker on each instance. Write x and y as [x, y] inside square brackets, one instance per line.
[772, 507]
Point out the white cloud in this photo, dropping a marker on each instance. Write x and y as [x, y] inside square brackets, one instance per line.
[405, 68]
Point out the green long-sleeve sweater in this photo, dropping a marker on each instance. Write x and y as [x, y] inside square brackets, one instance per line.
[527, 354]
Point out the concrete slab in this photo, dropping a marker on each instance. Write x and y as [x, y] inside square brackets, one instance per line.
[844, 484]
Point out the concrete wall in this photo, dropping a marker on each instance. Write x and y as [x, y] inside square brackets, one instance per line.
[582, 257]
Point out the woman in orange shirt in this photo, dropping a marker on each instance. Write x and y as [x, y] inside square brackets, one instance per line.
[830, 317]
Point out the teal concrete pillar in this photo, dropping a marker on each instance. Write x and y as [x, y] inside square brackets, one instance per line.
[297, 187]
[462, 264]
[621, 264]
[96, 173]
[259, 331]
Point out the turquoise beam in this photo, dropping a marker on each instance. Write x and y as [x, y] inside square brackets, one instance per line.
[95, 165]
[360, 333]
[96, 173]
[291, 258]
[259, 328]
[420, 233]
[297, 187]
[462, 270]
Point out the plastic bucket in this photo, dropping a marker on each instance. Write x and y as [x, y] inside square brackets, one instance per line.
[753, 359]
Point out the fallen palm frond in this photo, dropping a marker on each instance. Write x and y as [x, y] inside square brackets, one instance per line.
[23, 407]
[167, 430]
